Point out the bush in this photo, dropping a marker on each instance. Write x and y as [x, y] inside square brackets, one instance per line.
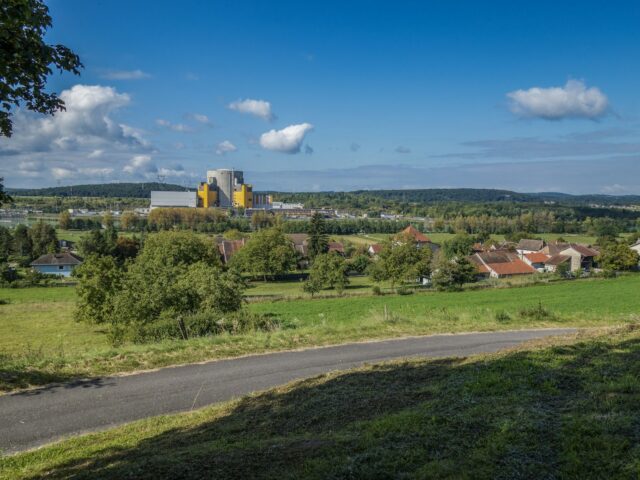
[403, 290]
[502, 316]
[202, 324]
[376, 290]
[539, 312]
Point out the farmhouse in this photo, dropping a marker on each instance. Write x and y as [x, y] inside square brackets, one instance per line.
[500, 264]
[420, 238]
[582, 257]
[375, 249]
[527, 245]
[536, 260]
[636, 247]
[56, 263]
[553, 262]
[228, 248]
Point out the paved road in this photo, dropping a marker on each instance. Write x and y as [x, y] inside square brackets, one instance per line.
[36, 417]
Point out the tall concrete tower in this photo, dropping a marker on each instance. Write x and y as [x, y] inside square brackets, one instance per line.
[225, 181]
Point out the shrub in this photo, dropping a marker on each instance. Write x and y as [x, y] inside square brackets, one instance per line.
[376, 290]
[538, 312]
[201, 324]
[404, 290]
[502, 316]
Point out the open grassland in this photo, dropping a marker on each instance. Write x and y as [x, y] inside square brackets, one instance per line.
[564, 408]
[41, 343]
[368, 239]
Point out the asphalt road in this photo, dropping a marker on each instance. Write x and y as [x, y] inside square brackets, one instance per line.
[36, 417]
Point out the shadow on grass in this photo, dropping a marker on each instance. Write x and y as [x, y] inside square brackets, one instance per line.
[562, 412]
[18, 378]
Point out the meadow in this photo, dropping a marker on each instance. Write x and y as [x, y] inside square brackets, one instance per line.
[557, 408]
[41, 343]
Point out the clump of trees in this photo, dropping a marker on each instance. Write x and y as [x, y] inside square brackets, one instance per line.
[268, 254]
[452, 273]
[24, 244]
[617, 256]
[329, 270]
[175, 288]
[401, 261]
[208, 220]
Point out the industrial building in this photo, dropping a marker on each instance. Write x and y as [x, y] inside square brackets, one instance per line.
[224, 188]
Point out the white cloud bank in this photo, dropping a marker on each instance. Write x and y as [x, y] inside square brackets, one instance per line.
[225, 147]
[258, 108]
[176, 127]
[574, 100]
[287, 140]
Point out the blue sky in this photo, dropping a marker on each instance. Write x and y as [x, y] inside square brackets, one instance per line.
[342, 95]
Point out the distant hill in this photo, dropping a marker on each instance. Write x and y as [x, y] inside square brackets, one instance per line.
[108, 190]
[462, 195]
[426, 195]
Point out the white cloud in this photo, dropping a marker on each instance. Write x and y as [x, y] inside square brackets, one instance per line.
[125, 75]
[225, 147]
[62, 173]
[96, 154]
[174, 171]
[87, 124]
[176, 127]
[258, 108]
[141, 165]
[574, 100]
[200, 118]
[287, 140]
[95, 171]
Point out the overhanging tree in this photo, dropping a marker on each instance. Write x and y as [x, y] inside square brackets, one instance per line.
[26, 60]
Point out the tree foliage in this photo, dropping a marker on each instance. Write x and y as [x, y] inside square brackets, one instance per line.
[451, 274]
[43, 239]
[176, 275]
[402, 261]
[329, 270]
[618, 257]
[318, 239]
[268, 253]
[26, 60]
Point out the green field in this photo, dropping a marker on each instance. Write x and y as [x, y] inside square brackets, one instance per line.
[40, 342]
[565, 408]
[368, 239]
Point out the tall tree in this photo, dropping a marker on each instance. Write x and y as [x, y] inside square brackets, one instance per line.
[43, 239]
[64, 220]
[26, 60]
[318, 240]
[22, 245]
[4, 198]
[402, 262]
[268, 253]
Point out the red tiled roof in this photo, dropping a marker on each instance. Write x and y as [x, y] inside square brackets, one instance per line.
[537, 257]
[417, 236]
[516, 267]
[557, 259]
[583, 250]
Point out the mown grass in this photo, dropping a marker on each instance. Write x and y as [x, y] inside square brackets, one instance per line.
[41, 343]
[368, 239]
[568, 408]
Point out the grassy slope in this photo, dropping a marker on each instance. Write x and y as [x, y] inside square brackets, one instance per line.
[40, 342]
[571, 410]
[441, 237]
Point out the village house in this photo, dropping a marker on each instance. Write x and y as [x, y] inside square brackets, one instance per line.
[228, 248]
[636, 247]
[528, 245]
[375, 249]
[420, 238]
[582, 257]
[536, 260]
[57, 263]
[555, 261]
[500, 264]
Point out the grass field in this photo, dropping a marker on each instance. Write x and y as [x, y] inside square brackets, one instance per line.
[41, 343]
[566, 408]
[368, 239]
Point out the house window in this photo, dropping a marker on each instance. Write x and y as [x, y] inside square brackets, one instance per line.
[61, 267]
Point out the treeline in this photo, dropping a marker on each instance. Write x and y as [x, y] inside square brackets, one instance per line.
[60, 204]
[109, 190]
[379, 198]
